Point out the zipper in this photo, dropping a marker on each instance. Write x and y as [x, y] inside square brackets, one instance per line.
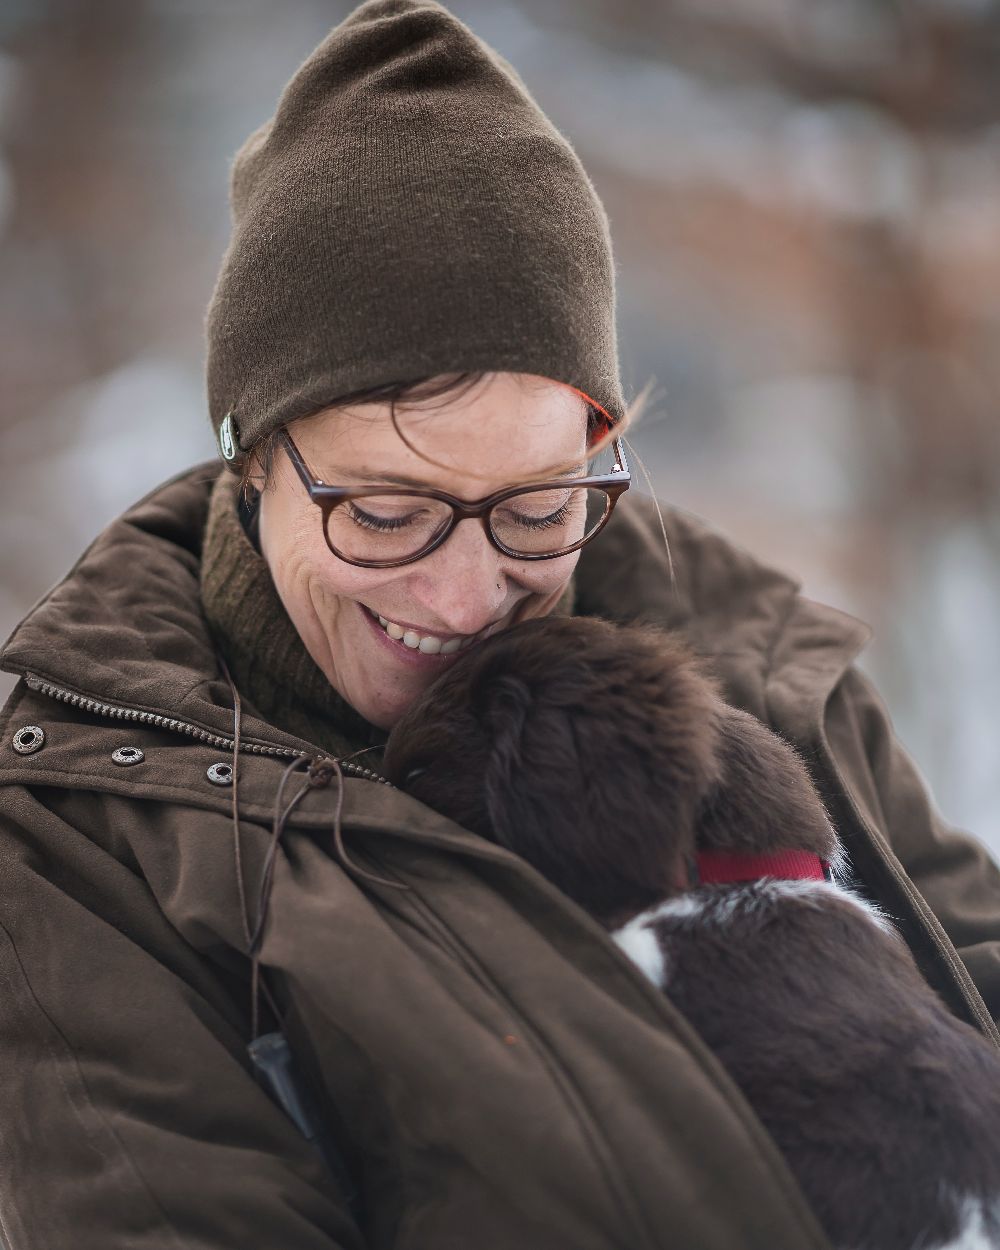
[117, 712]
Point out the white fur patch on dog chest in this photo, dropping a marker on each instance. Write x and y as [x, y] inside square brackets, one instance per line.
[642, 946]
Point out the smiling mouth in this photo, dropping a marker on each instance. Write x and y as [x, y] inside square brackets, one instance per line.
[430, 644]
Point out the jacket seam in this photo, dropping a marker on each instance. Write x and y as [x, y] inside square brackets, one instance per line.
[941, 944]
[150, 793]
[776, 637]
[95, 1110]
[565, 1081]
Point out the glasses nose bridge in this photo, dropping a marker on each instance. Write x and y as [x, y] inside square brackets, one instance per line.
[462, 511]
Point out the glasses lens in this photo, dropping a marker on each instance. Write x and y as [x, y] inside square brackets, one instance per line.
[385, 527]
[541, 522]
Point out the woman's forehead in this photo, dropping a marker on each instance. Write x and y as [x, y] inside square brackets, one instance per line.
[502, 433]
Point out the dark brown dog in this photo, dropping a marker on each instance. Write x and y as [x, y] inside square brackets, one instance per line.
[604, 756]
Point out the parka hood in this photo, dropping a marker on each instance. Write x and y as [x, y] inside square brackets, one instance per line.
[125, 625]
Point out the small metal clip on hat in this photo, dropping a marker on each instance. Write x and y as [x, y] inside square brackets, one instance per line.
[229, 438]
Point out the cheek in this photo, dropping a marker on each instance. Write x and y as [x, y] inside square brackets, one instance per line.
[291, 541]
[544, 581]
[545, 576]
[302, 566]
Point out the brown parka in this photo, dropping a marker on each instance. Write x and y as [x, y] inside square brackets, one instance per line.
[496, 1072]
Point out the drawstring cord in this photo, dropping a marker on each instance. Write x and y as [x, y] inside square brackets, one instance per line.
[257, 986]
[320, 771]
[270, 1052]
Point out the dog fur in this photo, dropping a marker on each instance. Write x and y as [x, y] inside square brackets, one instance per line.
[605, 757]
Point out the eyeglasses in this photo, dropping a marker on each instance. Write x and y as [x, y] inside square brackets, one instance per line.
[381, 527]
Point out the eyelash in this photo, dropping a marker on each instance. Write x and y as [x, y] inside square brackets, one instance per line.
[542, 523]
[382, 525]
[386, 525]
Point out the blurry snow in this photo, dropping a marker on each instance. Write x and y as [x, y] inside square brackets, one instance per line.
[124, 432]
[793, 441]
[843, 158]
[949, 609]
[851, 160]
[106, 444]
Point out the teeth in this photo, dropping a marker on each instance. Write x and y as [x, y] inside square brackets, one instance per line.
[429, 644]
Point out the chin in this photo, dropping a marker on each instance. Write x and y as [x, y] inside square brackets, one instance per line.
[381, 718]
[382, 713]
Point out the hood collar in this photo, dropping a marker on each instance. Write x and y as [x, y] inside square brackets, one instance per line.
[764, 639]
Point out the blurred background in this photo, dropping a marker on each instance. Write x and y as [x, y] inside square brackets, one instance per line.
[805, 205]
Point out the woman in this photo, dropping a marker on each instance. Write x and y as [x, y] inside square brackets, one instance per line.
[491, 1069]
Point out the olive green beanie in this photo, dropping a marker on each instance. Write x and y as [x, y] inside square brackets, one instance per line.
[408, 211]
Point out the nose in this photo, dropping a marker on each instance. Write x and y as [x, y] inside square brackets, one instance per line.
[463, 586]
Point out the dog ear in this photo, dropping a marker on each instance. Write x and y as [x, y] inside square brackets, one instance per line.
[504, 721]
[765, 797]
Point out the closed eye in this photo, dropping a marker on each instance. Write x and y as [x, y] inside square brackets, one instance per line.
[384, 524]
[414, 772]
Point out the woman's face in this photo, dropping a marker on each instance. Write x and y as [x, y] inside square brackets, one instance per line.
[507, 429]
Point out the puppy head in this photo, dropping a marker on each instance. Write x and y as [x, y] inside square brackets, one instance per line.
[582, 746]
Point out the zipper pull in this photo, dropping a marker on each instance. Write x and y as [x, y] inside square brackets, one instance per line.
[272, 1058]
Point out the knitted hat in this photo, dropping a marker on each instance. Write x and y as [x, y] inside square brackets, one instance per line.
[408, 211]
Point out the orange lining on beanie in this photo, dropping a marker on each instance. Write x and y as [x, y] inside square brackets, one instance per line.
[608, 421]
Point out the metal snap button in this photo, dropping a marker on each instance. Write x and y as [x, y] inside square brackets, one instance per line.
[128, 755]
[220, 774]
[28, 740]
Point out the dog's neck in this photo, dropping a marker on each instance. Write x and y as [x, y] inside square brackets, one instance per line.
[722, 867]
[731, 867]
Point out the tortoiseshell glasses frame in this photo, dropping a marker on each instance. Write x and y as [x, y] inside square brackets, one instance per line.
[327, 497]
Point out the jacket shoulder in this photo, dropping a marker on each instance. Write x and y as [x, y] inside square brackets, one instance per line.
[661, 563]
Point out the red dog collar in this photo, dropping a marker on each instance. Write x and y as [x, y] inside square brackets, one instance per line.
[717, 867]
